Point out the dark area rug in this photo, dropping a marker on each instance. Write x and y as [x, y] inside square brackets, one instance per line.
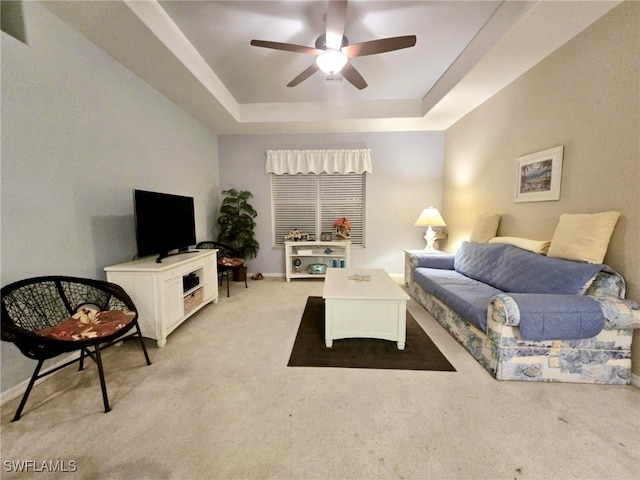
[309, 350]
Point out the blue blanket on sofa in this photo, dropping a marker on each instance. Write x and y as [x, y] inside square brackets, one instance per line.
[546, 290]
[466, 296]
[512, 269]
[558, 317]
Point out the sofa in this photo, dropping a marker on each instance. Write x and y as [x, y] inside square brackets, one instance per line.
[525, 316]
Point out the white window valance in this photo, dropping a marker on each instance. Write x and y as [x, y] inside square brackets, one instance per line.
[282, 162]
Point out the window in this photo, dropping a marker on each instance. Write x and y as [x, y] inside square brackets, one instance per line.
[311, 203]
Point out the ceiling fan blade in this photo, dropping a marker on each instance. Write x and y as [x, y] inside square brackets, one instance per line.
[287, 47]
[379, 46]
[336, 20]
[353, 76]
[304, 75]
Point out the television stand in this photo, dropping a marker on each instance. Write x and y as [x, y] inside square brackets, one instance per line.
[157, 289]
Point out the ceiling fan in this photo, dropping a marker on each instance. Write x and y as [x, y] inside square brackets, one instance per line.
[332, 49]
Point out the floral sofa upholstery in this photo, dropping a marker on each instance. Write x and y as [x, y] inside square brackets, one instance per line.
[525, 316]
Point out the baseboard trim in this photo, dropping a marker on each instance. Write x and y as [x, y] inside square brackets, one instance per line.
[397, 277]
[19, 389]
[274, 275]
[635, 380]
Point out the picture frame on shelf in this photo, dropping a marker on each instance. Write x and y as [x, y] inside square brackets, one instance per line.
[538, 176]
[325, 236]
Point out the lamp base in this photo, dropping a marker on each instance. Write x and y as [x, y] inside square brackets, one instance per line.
[430, 237]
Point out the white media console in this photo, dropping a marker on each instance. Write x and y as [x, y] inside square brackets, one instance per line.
[162, 295]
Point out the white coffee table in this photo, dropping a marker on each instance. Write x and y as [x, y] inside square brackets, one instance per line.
[367, 309]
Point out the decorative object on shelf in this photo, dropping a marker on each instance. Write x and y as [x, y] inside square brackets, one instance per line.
[325, 236]
[317, 268]
[538, 176]
[430, 217]
[343, 227]
[360, 278]
[296, 235]
[236, 224]
[328, 251]
[296, 263]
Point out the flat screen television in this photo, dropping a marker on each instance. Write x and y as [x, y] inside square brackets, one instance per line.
[164, 222]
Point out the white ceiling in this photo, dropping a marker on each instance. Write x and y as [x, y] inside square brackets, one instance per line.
[198, 54]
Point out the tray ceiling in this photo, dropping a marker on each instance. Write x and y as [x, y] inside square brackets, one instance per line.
[198, 54]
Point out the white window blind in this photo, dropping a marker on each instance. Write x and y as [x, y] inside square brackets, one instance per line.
[311, 203]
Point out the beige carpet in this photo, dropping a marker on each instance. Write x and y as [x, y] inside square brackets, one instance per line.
[219, 402]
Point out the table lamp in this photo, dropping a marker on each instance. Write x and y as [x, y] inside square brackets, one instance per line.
[430, 217]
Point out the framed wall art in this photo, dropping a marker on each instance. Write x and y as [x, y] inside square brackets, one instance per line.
[538, 176]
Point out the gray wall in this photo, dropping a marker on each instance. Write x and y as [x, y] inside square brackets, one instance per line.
[585, 96]
[79, 132]
[407, 177]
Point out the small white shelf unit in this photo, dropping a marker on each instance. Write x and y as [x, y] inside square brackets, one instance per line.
[315, 252]
[163, 298]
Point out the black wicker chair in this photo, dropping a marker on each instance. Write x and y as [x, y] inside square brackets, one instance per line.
[229, 260]
[49, 316]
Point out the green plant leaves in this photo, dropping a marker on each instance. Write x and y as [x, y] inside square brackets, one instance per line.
[236, 222]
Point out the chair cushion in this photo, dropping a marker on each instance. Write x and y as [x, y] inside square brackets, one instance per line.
[88, 324]
[230, 262]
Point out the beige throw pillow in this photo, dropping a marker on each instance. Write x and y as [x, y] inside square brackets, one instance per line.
[583, 237]
[485, 228]
[535, 246]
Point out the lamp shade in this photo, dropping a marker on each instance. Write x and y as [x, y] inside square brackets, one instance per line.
[331, 61]
[430, 217]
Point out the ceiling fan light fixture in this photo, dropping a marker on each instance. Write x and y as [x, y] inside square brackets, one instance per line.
[333, 51]
[331, 61]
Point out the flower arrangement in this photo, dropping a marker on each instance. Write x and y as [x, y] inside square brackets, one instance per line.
[342, 222]
[343, 227]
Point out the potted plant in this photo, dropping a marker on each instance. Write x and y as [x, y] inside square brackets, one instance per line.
[236, 224]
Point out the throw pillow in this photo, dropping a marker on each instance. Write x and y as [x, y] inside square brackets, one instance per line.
[485, 228]
[583, 237]
[535, 246]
